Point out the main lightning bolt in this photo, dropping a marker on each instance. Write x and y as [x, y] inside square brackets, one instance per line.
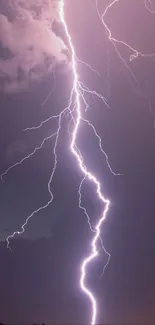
[106, 202]
[78, 101]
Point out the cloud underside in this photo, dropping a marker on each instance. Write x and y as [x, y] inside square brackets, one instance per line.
[29, 46]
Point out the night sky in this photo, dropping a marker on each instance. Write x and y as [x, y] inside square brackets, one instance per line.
[39, 279]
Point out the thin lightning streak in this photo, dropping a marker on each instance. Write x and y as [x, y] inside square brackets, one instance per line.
[135, 52]
[115, 41]
[49, 184]
[51, 117]
[100, 145]
[42, 123]
[84, 88]
[51, 91]
[80, 203]
[108, 259]
[87, 65]
[94, 251]
[27, 157]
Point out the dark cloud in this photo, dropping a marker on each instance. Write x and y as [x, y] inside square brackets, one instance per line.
[29, 46]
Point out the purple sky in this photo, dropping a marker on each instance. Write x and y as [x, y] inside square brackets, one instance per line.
[39, 280]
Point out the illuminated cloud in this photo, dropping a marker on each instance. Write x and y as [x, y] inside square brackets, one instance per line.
[29, 46]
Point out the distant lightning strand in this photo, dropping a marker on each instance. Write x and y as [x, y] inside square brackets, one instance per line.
[80, 203]
[51, 91]
[135, 52]
[87, 65]
[27, 157]
[84, 89]
[51, 117]
[100, 145]
[49, 182]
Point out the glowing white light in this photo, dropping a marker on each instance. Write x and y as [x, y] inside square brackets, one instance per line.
[94, 251]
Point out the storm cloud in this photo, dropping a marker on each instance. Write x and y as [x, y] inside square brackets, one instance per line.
[29, 45]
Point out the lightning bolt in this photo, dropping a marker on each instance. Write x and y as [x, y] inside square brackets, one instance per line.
[76, 110]
[83, 168]
[49, 182]
[135, 53]
[87, 174]
[78, 101]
